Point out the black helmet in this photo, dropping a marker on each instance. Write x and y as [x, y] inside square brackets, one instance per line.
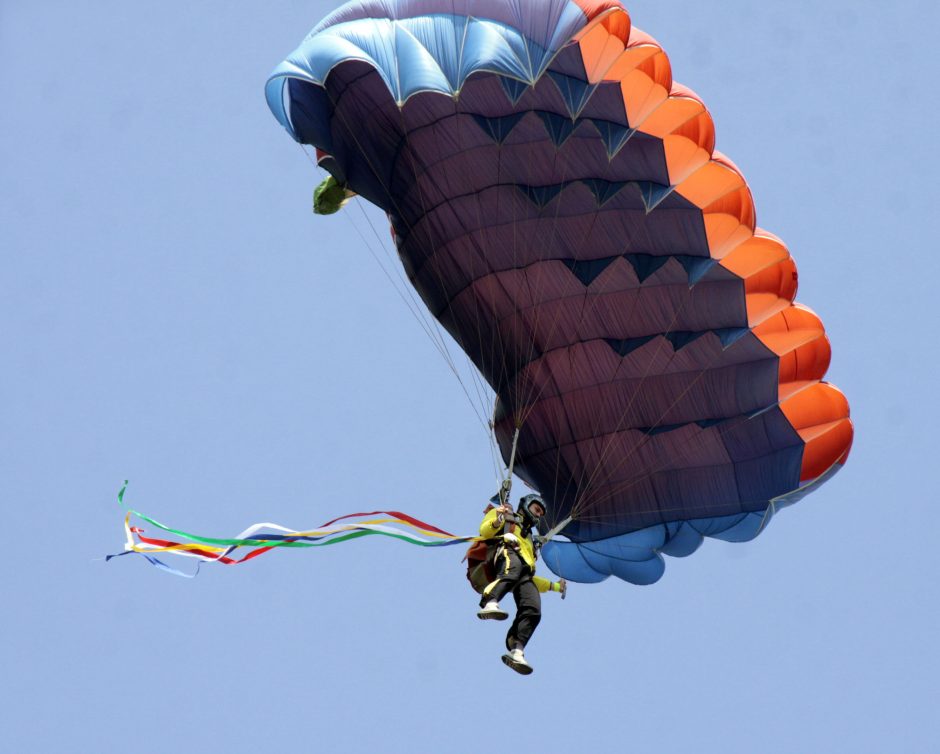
[528, 517]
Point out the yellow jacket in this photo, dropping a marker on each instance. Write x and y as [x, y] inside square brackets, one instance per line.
[492, 527]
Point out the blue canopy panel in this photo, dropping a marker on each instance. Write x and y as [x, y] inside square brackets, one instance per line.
[431, 52]
[637, 557]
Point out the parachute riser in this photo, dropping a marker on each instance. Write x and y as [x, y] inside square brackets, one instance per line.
[506, 486]
[555, 530]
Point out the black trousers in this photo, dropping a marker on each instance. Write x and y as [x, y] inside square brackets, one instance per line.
[514, 575]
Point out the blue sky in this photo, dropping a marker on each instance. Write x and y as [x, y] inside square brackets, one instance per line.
[172, 313]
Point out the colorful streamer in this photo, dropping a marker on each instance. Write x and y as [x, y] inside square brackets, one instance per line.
[260, 538]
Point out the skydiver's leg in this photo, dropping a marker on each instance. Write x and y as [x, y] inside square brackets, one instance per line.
[528, 613]
[509, 568]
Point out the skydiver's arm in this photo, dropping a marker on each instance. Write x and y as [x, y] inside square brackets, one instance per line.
[494, 521]
[544, 585]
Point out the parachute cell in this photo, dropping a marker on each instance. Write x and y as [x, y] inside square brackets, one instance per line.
[558, 204]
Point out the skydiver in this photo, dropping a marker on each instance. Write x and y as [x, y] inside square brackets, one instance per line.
[513, 560]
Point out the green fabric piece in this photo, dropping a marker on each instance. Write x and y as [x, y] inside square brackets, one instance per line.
[330, 196]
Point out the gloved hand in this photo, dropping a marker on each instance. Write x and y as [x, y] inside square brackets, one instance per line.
[563, 587]
[511, 540]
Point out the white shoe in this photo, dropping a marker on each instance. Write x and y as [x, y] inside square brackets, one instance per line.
[492, 611]
[516, 660]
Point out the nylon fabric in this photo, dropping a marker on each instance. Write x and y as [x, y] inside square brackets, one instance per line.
[261, 538]
[557, 203]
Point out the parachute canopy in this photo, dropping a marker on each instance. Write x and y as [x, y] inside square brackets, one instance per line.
[558, 204]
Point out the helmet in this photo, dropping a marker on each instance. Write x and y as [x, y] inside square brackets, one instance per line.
[525, 502]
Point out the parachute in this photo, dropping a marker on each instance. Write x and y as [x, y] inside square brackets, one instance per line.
[557, 202]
